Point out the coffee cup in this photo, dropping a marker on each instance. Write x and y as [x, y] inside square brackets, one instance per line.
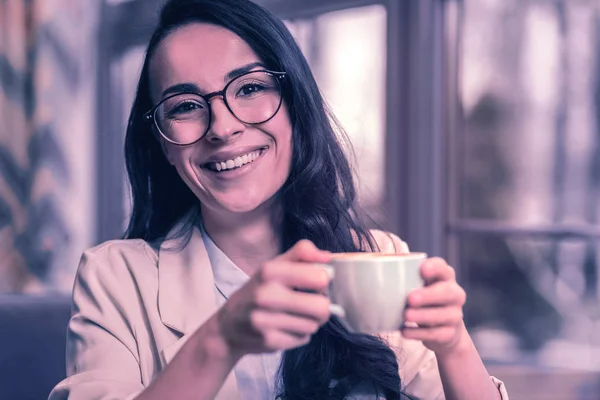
[368, 291]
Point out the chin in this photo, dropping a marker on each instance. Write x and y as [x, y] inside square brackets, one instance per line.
[239, 205]
[241, 200]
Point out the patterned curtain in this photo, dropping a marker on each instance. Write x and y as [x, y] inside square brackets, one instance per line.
[40, 82]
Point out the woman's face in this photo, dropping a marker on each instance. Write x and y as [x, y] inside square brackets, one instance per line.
[204, 56]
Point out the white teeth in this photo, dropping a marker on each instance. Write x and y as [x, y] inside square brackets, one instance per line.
[236, 162]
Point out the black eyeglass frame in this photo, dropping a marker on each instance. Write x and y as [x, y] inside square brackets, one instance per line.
[149, 115]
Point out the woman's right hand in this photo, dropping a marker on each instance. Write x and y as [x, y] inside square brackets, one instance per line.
[268, 313]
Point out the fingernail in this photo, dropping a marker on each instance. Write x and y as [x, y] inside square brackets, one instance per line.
[414, 298]
[337, 310]
[329, 270]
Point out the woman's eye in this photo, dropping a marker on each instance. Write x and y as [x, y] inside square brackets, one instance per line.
[250, 89]
[185, 108]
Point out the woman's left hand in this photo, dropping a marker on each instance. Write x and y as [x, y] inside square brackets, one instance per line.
[437, 308]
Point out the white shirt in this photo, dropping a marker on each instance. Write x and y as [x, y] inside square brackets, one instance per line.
[255, 374]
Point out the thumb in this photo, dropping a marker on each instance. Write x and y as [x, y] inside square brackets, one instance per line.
[306, 251]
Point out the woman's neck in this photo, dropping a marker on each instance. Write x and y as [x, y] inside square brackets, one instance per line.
[248, 239]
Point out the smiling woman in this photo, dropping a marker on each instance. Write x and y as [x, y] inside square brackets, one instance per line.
[241, 192]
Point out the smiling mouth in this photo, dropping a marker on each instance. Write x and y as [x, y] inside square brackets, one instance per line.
[235, 163]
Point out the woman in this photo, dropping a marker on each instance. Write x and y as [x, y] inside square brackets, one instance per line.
[241, 190]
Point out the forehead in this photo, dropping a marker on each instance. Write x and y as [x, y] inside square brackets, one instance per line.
[198, 53]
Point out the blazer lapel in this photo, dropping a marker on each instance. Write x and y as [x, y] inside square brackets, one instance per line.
[187, 296]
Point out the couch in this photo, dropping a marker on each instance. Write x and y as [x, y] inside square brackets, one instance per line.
[32, 349]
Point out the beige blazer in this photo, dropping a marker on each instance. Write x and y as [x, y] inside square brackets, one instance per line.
[134, 307]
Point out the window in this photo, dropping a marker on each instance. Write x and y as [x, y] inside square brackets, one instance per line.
[347, 53]
[525, 181]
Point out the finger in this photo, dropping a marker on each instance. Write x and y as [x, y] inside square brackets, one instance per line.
[436, 270]
[438, 294]
[275, 297]
[434, 317]
[305, 250]
[299, 275]
[280, 340]
[443, 334]
[263, 320]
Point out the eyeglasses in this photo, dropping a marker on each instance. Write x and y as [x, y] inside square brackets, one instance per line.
[184, 118]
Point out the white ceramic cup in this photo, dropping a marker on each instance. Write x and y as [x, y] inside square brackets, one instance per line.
[368, 290]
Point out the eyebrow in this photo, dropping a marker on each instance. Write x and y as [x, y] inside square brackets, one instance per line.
[192, 87]
[242, 70]
[181, 88]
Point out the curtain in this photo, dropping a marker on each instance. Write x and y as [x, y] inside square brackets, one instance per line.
[45, 45]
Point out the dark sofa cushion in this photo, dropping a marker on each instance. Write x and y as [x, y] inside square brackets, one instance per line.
[32, 344]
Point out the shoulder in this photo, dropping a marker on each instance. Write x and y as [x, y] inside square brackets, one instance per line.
[116, 259]
[387, 242]
[122, 249]
[412, 355]
[417, 365]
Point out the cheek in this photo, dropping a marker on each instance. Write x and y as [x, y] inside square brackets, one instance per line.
[290, 147]
[178, 155]
[289, 153]
[284, 138]
[284, 153]
[181, 158]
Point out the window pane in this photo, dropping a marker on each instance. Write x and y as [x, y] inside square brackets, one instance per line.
[529, 154]
[530, 149]
[347, 53]
[533, 301]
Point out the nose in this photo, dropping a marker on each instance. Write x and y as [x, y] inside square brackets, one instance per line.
[223, 123]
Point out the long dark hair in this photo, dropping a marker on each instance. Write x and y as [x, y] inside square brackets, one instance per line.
[318, 197]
